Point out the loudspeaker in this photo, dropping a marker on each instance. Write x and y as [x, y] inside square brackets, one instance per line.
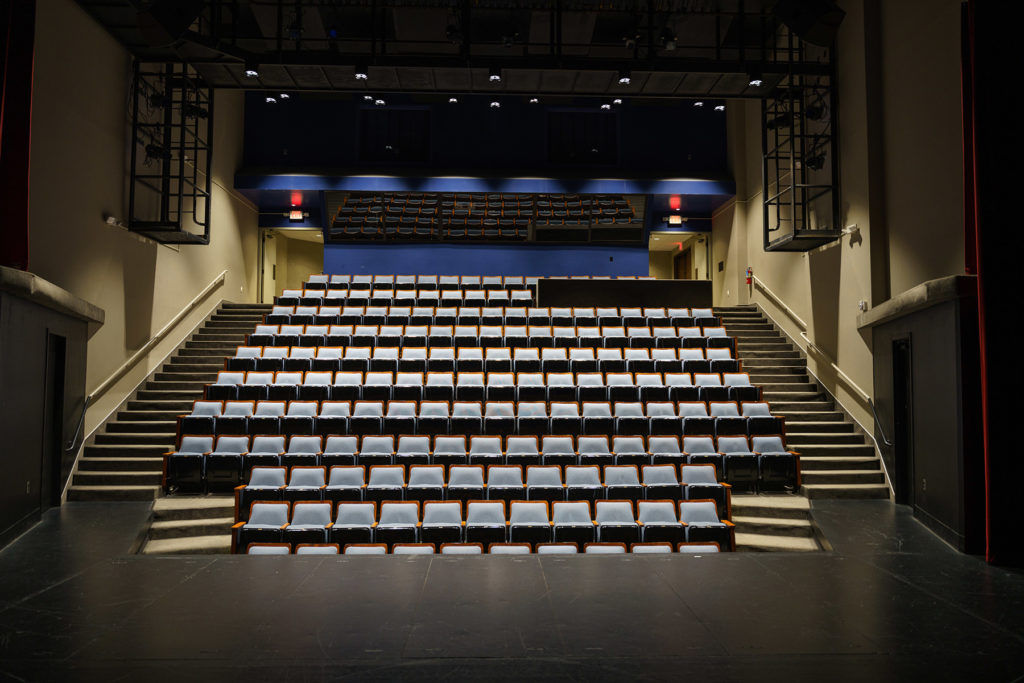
[814, 21]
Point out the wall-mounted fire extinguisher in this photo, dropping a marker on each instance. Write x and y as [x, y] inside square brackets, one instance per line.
[750, 275]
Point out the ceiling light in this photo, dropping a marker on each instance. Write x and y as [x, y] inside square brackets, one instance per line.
[617, 100]
[495, 104]
[362, 73]
[368, 98]
[698, 103]
[534, 100]
[271, 100]
[719, 107]
[755, 82]
[284, 96]
[606, 106]
[252, 70]
[379, 103]
[494, 75]
[625, 77]
[453, 100]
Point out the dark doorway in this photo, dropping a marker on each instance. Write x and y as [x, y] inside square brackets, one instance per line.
[684, 264]
[903, 421]
[51, 486]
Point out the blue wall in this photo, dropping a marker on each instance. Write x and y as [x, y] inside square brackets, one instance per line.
[470, 259]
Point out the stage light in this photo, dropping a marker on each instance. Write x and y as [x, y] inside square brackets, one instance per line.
[755, 81]
[625, 77]
[271, 100]
[534, 100]
[816, 111]
[284, 96]
[668, 39]
[379, 103]
[617, 100]
[368, 98]
[719, 107]
[495, 104]
[606, 107]
[698, 103]
[453, 100]
[783, 119]
[494, 75]
[252, 70]
[815, 162]
[362, 73]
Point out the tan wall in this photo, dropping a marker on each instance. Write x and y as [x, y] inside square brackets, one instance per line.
[661, 264]
[296, 260]
[80, 131]
[919, 204]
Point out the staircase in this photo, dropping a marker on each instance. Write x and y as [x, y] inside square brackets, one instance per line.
[125, 460]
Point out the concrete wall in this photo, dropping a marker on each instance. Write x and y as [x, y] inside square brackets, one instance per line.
[901, 180]
[79, 172]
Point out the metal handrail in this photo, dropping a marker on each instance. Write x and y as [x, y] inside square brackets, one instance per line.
[878, 423]
[72, 446]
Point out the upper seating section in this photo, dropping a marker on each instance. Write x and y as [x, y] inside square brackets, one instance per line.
[470, 216]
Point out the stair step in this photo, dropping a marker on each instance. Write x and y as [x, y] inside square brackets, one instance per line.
[771, 543]
[840, 450]
[149, 415]
[802, 416]
[180, 363]
[775, 526]
[201, 353]
[121, 465]
[197, 545]
[113, 493]
[825, 427]
[788, 379]
[777, 365]
[135, 438]
[125, 451]
[216, 345]
[783, 389]
[785, 353]
[810, 477]
[232, 306]
[143, 426]
[190, 528]
[181, 406]
[788, 396]
[175, 385]
[191, 377]
[756, 336]
[787, 407]
[788, 506]
[220, 338]
[840, 462]
[194, 507]
[858, 491]
[800, 439]
[88, 478]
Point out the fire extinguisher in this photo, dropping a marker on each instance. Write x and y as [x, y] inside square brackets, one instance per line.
[750, 275]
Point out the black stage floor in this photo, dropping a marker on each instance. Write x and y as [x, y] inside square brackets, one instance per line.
[891, 603]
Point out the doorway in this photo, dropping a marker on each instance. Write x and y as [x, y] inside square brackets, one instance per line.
[903, 421]
[289, 257]
[678, 255]
[683, 264]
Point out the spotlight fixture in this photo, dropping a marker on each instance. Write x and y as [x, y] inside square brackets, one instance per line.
[698, 103]
[494, 75]
[719, 107]
[606, 106]
[362, 73]
[271, 100]
[284, 96]
[625, 77]
[617, 100]
[252, 70]
[816, 111]
[495, 104]
[453, 100]
[379, 103]
[368, 98]
[783, 119]
[534, 100]
[815, 162]
[755, 82]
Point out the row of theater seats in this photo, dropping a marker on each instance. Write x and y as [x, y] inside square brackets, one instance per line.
[423, 228]
[723, 418]
[478, 359]
[759, 463]
[444, 282]
[406, 297]
[512, 336]
[467, 482]
[384, 385]
[478, 549]
[491, 315]
[485, 522]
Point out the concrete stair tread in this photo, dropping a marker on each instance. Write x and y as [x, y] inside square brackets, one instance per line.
[195, 545]
[769, 542]
[174, 503]
[112, 493]
[772, 521]
[789, 502]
